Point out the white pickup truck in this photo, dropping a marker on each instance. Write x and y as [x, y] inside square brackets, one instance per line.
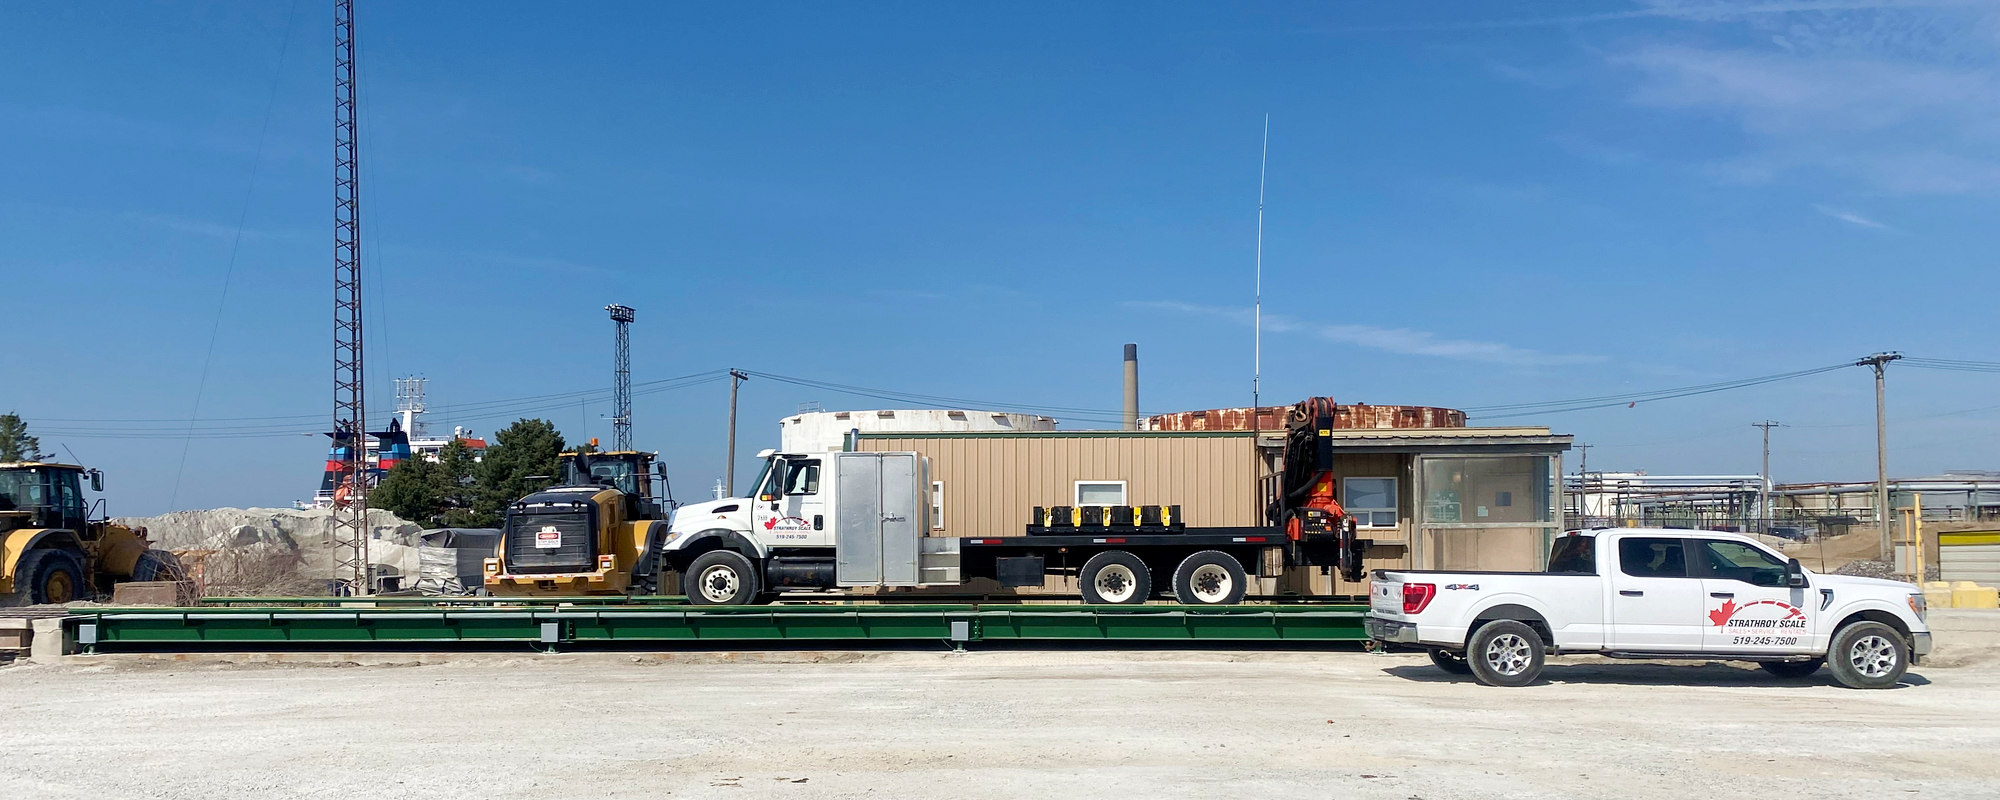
[1654, 593]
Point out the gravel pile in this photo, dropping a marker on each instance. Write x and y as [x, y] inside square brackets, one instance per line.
[1870, 568]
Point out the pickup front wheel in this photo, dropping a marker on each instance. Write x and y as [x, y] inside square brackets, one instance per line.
[1868, 655]
[1505, 653]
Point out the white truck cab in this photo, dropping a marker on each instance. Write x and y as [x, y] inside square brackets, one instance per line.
[1655, 593]
[812, 521]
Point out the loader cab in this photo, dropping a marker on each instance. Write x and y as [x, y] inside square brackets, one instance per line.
[631, 472]
[46, 495]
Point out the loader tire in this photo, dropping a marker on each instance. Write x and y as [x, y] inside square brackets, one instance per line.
[157, 565]
[46, 577]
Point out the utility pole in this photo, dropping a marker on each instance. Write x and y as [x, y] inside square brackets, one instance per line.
[1764, 475]
[735, 377]
[621, 390]
[350, 397]
[1878, 361]
[1583, 480]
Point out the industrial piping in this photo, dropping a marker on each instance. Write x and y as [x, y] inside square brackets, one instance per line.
[1131, 421]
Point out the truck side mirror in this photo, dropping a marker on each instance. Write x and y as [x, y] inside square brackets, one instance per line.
[1795, 574]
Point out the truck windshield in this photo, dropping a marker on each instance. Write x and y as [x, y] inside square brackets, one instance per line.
[22, 489]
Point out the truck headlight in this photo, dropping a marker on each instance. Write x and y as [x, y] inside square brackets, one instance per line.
[1919, 604]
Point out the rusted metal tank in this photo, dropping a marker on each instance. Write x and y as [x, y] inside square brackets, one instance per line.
[1271, 418]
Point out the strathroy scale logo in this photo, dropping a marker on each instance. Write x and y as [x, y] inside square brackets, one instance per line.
[786, 524]
[1763, 616]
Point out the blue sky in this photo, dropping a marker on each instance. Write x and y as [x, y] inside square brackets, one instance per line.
[1469, 204]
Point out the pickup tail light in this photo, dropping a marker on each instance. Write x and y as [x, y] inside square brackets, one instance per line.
[1418, 595]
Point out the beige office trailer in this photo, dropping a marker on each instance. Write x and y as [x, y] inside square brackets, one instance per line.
[1443, 498]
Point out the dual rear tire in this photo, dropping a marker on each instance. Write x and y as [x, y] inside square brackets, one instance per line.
[1206, 578]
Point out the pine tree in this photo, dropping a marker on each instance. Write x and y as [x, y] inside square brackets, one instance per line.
[523, 459]
[15, 443]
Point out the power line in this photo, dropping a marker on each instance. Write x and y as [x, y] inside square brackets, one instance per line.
[1634, 398]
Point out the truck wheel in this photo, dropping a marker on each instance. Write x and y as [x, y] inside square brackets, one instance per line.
[722, 578]
[1505, 653]
[1449, 661]
[1868, 655]
[51, 577]
[1115, 577]
[1792, 669]
[1210, 578]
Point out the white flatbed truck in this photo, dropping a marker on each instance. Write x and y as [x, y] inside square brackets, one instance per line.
[849, 520]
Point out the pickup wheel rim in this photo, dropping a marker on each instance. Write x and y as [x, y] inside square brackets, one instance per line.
[1508, 654]
[1116, 583]
[718, 583]
[1210, 583]
[1872, 656]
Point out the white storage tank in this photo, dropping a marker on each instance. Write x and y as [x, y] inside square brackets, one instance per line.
[818, 431]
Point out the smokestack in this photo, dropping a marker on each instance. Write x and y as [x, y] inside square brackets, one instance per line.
[1131, 387]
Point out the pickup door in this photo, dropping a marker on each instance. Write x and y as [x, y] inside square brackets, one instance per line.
[1655, 602]
[1749, 608]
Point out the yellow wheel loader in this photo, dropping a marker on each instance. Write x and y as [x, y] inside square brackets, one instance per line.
[53, 549]
[598, 532]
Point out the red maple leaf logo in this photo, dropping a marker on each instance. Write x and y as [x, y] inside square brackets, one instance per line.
[1720, 616]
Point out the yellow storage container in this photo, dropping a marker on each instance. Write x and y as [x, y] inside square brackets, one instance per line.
[1966, 595]
[1937, 594]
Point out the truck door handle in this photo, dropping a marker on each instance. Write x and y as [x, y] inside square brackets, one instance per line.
[819, 522]
[1721, 594]
[1631, 592]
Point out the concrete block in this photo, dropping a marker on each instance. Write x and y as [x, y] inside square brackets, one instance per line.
[1937, 594]
[16, 633]
[146, 593]
[1975, 596]
[52, 642]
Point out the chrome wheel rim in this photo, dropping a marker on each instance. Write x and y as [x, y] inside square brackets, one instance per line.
[1211, 583]
[1873, 656]
[1508, 654]
[1116, 583]
[718, 583]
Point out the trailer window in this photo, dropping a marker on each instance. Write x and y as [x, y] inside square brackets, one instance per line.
[937, 505]
[1372, 501]
[1100, 493]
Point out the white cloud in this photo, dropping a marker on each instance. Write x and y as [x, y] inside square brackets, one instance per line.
[1851, 218]
[1406, 341]
[1892, 97]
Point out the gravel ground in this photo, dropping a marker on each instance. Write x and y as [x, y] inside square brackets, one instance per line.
[1009, 723]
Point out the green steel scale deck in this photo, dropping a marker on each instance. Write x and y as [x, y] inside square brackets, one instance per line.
[551, 623]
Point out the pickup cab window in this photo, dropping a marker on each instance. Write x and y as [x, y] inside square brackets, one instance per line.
[1737, 561]
[1642, 557]
[1574, 555]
